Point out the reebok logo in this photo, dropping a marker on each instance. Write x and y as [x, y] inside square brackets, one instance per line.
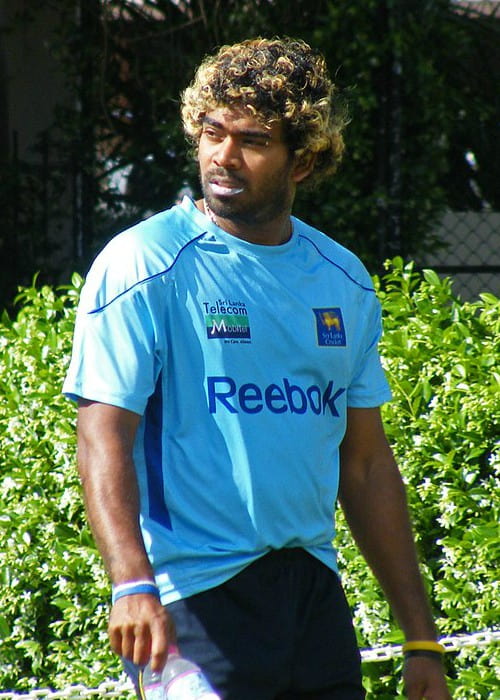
[224, 394]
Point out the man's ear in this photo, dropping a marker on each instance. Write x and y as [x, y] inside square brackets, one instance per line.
[303, 167]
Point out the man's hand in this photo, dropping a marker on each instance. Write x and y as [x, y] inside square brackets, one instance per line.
[141, 630]
[424, 678]
[139, 627]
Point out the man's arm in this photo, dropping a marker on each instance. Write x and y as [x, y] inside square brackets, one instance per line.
[372, 495]
[139, 627]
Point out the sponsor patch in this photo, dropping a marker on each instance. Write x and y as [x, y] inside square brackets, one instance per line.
[227, 319]
[330, 327]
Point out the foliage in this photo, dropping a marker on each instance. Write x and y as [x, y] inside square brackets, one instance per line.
[420, 79]
[53, 590]
[441, 356]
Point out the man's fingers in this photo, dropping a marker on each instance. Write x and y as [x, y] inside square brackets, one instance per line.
[115, 639]
[142, 645]
[128, 642]
[424, 678]
[162, 636]
[139, 630]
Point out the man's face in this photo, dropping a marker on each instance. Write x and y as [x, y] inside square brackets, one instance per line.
[247, 172]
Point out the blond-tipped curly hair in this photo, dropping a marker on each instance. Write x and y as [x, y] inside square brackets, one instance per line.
[279, 79]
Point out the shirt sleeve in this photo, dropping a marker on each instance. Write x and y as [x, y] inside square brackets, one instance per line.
[113, 359]
[369, 386]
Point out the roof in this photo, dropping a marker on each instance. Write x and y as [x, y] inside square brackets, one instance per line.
[490, 8]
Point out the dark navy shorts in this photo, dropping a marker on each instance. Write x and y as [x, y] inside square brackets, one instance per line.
[279, 630]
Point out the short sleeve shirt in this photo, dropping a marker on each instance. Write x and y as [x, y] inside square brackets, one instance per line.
[241, 360]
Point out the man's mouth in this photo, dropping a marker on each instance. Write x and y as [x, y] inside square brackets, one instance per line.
[225, 188]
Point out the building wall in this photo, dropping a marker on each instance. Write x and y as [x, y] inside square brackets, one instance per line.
[35, 220]
[30, 83]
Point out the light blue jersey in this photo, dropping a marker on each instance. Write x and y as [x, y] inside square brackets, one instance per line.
[242, 360]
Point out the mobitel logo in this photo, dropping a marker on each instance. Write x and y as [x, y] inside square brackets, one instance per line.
[224, 394]
[226, 319]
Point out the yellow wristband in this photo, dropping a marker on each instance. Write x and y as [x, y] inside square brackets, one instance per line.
[424, 646]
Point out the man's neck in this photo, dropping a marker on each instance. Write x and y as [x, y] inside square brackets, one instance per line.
[275, 232]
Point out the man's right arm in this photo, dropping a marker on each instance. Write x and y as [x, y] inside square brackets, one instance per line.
[139, 627]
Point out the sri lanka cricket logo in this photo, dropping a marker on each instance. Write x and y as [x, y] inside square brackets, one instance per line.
[330, 327]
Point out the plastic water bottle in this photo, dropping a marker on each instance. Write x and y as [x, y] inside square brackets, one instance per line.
[180, 679]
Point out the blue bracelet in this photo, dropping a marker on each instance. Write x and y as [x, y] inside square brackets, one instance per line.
[134, 588]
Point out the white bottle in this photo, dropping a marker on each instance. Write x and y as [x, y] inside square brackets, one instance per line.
[180, 679]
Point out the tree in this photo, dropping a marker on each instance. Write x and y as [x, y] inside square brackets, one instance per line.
[407, 70]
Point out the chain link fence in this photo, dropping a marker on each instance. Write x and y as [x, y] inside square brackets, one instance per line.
[122, 688]
[470, 252]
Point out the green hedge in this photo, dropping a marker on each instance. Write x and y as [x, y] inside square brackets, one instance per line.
[441, 357]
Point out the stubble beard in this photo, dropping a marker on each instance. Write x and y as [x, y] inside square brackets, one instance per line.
[272, 201]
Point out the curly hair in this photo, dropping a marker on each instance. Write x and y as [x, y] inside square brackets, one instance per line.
[280, 79]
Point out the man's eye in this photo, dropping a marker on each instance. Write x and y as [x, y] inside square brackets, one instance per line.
[257, 141]
[211, 134]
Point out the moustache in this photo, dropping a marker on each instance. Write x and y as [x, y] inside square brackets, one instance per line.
[227, 177]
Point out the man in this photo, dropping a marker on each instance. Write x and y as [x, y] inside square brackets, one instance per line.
[226, 369]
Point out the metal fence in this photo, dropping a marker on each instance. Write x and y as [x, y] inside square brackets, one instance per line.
[122, 688]
[470, 252]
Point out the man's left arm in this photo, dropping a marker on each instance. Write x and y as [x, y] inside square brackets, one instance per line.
[373, 498]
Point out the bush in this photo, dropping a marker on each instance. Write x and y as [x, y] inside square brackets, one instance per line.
[440, 355]
[53, 591]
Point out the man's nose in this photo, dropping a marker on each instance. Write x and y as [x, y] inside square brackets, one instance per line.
[228, 154]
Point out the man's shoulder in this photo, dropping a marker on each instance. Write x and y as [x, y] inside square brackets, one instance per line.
[156, 240]
[340, 257]
[143, 252]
